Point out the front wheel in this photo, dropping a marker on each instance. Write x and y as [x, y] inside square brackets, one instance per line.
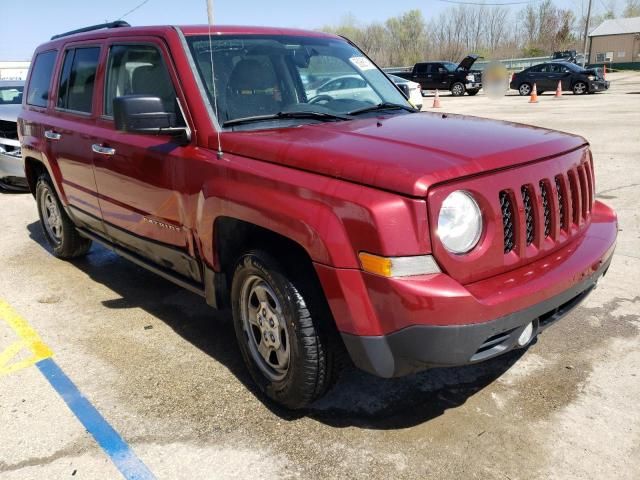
[580, 88]
[457, 89]
[288, 355]
[473, 92]
[59, 230]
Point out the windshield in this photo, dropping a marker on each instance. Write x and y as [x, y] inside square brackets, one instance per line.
[11, 95]
[266, 75]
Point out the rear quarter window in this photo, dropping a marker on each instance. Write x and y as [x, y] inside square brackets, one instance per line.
[40, 81]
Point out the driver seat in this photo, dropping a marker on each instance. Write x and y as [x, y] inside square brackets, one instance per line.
[252, 90]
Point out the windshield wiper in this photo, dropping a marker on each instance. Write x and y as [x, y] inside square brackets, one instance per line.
[285, 115]
[383, 106]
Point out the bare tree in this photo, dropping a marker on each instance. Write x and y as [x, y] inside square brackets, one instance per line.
[490, 31]
[631, 8]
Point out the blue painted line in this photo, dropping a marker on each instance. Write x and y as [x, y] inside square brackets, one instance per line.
[109, 440]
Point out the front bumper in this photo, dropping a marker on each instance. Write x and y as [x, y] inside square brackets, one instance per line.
[473, 85]
[392, 327]
[12, 175]
[419, 347]
[598, 85]
[11, 164]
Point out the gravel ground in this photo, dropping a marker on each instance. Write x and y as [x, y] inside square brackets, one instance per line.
[164, 370]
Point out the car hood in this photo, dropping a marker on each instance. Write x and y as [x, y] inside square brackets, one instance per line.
[402, 153]
[467, 62]
[9, 113]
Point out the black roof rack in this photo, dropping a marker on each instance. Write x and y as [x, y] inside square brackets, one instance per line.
[116, 24]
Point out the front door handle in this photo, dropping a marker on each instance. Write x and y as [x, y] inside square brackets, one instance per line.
[103, 150]
[51, 135]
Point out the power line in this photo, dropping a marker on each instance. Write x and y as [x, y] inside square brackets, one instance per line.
[134, 9]
[491, 4]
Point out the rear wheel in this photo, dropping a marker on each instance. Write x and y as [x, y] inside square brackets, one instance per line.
[59, 230]
[580, 88]
[457, 89]
[524, 89]
[283, 343]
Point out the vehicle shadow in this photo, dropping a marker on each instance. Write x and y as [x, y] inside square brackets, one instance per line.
[11, 190]
[359, 399]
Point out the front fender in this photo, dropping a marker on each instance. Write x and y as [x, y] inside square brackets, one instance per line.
[331, 219]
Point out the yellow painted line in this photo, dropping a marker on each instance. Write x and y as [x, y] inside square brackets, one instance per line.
[29, 339]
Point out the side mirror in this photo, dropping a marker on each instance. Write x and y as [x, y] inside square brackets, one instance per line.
[144, 114]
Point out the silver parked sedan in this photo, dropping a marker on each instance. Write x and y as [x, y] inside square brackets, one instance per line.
[11, 164]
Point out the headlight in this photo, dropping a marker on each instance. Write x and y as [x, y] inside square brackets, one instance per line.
[591, 77]
[459, 222]
[471, 77]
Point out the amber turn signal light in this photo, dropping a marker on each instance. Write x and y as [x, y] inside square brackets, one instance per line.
[398, 266]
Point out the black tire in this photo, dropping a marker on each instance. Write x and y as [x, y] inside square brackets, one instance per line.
[473, 92]
[580, 88]
[524, 89]
[540, 92]
[457, 89]
[64, 239]
[313, 352]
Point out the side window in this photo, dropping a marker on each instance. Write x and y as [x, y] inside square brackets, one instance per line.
[38, 92]
[77, 79]
[138, 70]
[422, 68]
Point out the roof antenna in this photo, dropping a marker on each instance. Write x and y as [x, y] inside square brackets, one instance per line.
[213, 76]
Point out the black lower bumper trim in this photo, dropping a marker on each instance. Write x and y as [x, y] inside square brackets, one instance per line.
[420, 347]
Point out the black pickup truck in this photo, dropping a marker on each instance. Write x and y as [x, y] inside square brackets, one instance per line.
[445, 76]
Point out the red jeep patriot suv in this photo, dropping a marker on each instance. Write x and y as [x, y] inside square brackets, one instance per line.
[331, 221]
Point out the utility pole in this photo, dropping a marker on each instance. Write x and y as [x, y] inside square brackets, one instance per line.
[586, 34]
[210, 10]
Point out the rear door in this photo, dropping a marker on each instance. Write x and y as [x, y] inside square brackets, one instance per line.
[421, 75]
[72, 123]
[535, 75]
[135, 172]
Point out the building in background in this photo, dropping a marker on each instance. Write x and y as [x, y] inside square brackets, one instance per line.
[616, 42]
[14, 70]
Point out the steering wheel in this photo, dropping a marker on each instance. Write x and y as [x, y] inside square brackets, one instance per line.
[320, 98]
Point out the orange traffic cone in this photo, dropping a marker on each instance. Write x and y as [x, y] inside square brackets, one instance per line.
[436, 100]
[559, 90]
[534, 95]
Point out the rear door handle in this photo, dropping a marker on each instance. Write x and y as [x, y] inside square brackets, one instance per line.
[103, 150]
[51, 135]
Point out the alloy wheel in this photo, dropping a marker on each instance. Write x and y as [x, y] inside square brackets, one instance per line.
[579, 88]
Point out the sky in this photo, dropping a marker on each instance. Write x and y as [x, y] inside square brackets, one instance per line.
[24, 24]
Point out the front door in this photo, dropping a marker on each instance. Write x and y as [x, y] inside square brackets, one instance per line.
[135, 172]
